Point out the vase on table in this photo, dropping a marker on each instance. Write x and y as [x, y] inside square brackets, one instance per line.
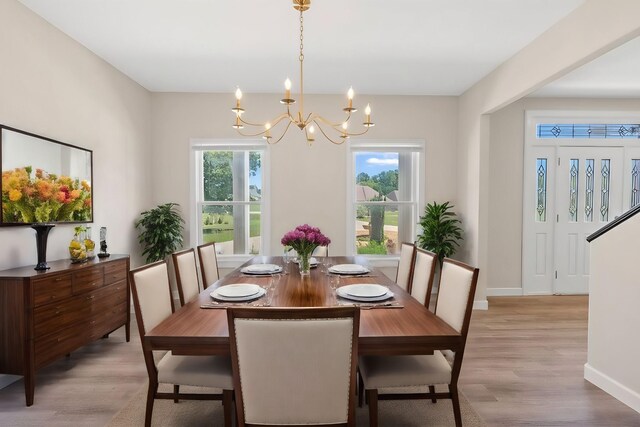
[304, 264]
[42, 234]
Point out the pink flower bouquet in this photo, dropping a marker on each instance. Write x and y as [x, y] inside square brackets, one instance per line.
[304, 239]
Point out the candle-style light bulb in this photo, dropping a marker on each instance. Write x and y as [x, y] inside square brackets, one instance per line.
[312, 129]
[238, 94]
[287, 89]
[267, 134]
[367, 114]
[350, 93]
[311, 134]
[367, 111]
[237, 109]
[344, 130]
[345, 125]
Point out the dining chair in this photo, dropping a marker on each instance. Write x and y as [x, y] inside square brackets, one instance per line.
[321, 251]
[423, 272]
[454, 305]
[208, 264]
[294, 366]
[184, 264]
[403, 274]
[152, 303]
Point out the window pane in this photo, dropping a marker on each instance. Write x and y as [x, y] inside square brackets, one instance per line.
[588, 196]
[605, 172]
[377, 231]
[635, 182]
[573, 190]
[255, 176]
[377, 177]
[541, 190]
[255, 231]
[227, 226]
[217, 175]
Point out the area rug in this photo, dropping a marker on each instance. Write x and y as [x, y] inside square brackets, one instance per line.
[392, 413]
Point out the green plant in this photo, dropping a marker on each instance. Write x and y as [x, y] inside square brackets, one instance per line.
[373, 248]
[160, 231]
[441, 231]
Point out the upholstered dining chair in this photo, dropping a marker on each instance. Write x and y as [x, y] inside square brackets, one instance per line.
[403, 275]
[208, 264]
[423, 271]
[397, 373]
[321, 251]
[294, 366]
[152, 304]
[184, 264]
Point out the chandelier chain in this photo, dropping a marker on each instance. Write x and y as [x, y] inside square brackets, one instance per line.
[301, 37]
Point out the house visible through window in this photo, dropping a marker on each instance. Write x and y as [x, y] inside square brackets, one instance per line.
[230, 197]
[384, 188]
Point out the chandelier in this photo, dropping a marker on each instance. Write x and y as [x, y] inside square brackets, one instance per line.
[336, 132]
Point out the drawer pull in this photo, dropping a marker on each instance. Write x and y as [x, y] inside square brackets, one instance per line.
[90, 297]
[59, 279]
[58, 312]
[52, 297]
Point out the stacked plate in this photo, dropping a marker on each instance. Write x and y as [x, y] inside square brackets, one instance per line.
[238, 292]
[313, 262]
[260, 269]
[364, 292]
[353, 269]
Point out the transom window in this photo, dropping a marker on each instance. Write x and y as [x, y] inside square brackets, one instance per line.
[384, 189]
[230, 196]
[581, 130]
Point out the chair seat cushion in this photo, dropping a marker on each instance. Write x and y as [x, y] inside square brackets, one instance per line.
[404, 371]
[200, 371]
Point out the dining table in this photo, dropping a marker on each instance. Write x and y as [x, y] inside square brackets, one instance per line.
[400, 326]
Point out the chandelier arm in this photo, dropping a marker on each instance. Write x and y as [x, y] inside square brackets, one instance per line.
[327, 136]
[366, 129]
[329, 123]
[281, 136]
[274, 121]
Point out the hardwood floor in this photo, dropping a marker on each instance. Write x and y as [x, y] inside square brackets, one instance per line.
[523, 367]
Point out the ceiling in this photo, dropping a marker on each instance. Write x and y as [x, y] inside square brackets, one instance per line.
[411, 47]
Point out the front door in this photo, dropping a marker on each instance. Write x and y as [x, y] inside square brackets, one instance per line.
[589, 186]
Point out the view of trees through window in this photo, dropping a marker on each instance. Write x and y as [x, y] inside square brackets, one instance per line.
[232, 196]
[376, 213]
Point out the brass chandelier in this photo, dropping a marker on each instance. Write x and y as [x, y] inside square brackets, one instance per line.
[306, 123]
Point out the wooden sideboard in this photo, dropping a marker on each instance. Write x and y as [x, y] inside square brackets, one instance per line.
[45, 315]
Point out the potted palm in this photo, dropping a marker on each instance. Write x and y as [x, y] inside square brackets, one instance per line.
[160, 231]
[441, 232]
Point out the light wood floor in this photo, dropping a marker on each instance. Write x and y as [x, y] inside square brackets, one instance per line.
[523, 367]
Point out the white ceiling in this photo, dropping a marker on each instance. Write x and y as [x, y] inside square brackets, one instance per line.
[412, 47]
[612, 75]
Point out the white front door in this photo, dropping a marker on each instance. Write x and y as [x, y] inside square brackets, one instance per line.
[589, 188]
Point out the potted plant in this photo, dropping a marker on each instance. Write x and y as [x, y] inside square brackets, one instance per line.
[160, 231]
[441, 232]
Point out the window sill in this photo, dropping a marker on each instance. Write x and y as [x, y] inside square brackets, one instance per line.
[382, 261]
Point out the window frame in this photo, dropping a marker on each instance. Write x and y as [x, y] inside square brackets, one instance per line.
[196, 194]
[416, 146]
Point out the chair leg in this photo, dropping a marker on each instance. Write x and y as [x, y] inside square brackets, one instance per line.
[151, 395]
[176, 390]
[227, 406]
[432, 390]
[453, 389]
[372, 397]
[360, 390]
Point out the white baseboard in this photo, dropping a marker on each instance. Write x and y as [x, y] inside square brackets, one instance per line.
[624, 394]
[504, 292]
[481, 305]
[6, 380]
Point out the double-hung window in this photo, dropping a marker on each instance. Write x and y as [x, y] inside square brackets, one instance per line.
[384, 195]
[230, 196]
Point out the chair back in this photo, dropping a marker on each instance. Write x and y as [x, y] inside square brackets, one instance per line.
[455, 294]
[294, 366]
[151, 292]
[424, 268]
[208, 264]
[184, 263]
[322, 251]
[403, 275]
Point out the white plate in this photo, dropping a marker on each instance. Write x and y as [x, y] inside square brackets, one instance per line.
[217, 296]
[365, 290]
[261, 269]
[238, 290]
[348, 269]
[312, 261]
[345, 295]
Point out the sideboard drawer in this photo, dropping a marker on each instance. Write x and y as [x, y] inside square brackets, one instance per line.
[54, 317]
[115, 272]
[51, 289]
[88, 280]
[59, 343]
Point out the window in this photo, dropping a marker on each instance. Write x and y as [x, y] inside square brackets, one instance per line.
[230, 198]
[384, 195]
[579, 130]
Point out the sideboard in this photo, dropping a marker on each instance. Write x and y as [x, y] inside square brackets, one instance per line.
[45, 315]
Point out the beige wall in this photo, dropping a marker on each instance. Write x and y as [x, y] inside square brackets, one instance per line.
[52, 86]
[505, 181]
[308, 183]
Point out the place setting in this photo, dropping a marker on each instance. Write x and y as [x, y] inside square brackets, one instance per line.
[245, 294]
[366, 296]
[261, 269]
[354, 270]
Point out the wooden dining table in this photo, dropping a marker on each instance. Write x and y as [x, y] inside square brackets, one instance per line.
[412, 329]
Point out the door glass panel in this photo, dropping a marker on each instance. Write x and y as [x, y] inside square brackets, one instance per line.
[604, 192]
[635, 182]
[573, 189]
[589, 173]
[541, 190]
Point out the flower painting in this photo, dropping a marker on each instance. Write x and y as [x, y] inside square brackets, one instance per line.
[30, 196]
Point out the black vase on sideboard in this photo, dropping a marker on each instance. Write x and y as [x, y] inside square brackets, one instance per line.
[42, 233]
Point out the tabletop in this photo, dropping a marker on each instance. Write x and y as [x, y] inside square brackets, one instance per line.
[383, 331]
